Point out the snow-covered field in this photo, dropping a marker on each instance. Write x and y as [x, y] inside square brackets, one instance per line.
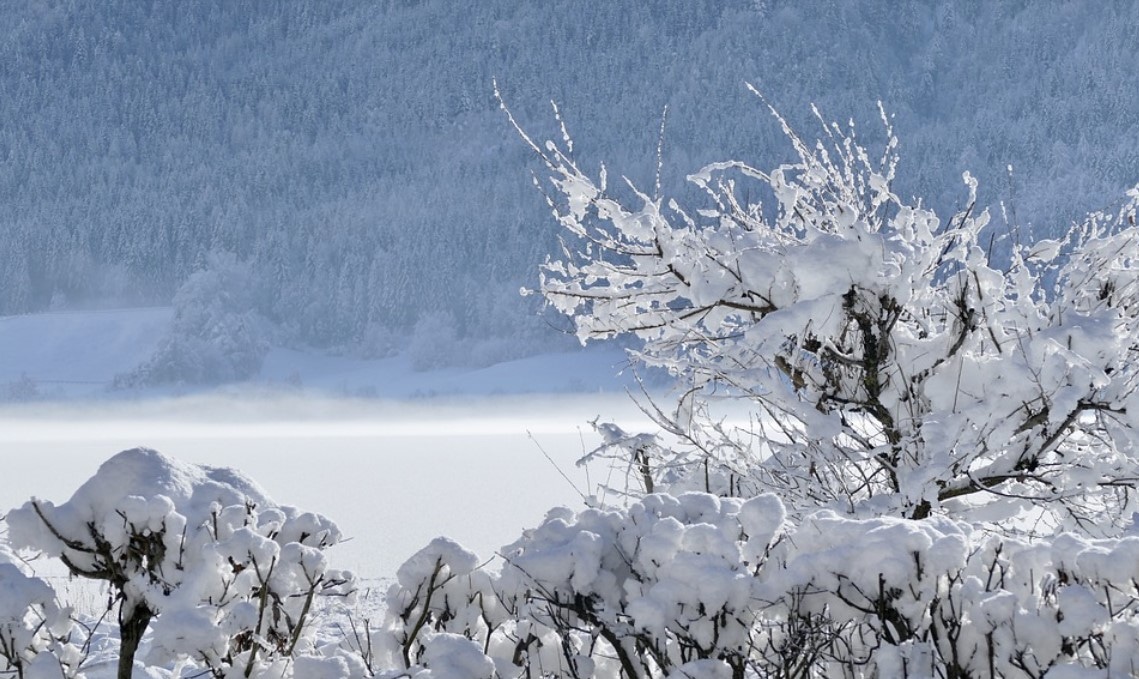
[77, 353]
[392, 474]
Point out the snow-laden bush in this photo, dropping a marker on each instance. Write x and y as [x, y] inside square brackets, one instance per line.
[38, 638]
[216, 334]
[698, 585]
[601, 592]
[222, 576]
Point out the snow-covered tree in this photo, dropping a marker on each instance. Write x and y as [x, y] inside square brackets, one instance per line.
[433, 341]
[895, 365]
[216, 334]
[935, 478]
[201, 556]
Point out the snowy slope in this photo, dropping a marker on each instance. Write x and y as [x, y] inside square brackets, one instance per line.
[78, 354]
[573, 372]
[78, 351]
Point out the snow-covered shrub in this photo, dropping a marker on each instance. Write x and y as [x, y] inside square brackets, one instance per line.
[439, 593]
[216, 334]
[227, 576]
[939, 598]
[698, 585]
[635, 592]
[38, 638]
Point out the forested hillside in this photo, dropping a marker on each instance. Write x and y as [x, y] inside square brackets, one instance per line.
[351, 153]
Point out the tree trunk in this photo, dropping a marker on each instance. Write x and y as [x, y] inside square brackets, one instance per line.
[132, 625]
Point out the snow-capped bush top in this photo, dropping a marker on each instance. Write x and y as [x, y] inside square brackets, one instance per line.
[696, 586]
[146, 486]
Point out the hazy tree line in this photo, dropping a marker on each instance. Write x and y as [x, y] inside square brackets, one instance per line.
[352, 153]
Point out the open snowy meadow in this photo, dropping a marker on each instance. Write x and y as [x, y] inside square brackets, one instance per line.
[392, 474]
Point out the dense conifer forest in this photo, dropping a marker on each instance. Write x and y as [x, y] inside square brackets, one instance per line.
[352, 154]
